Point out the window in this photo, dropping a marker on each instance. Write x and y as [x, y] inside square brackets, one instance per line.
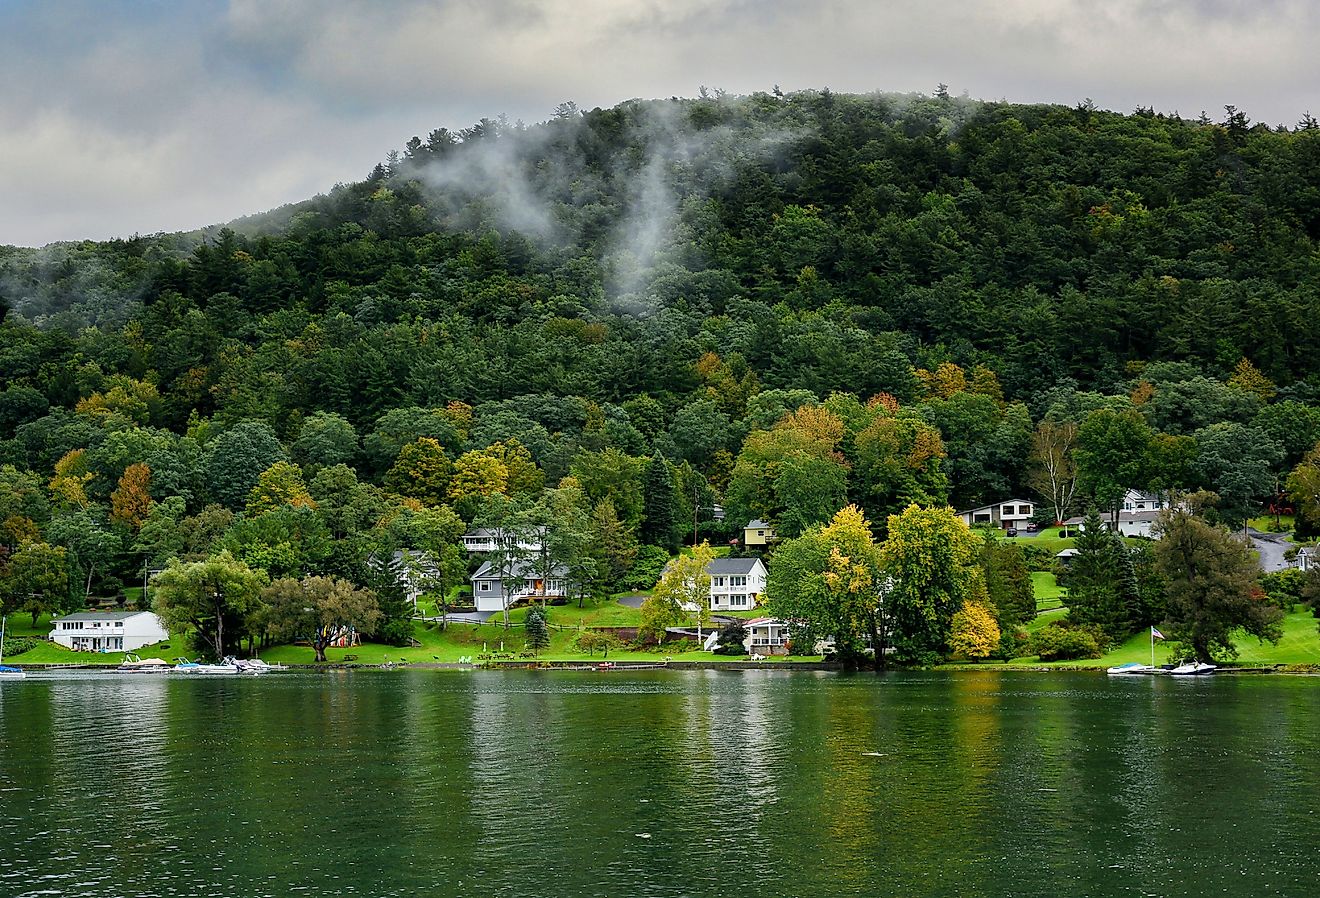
[485, 587]
[719, 581]
[981, 517]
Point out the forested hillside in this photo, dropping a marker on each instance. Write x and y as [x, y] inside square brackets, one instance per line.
[776, 303]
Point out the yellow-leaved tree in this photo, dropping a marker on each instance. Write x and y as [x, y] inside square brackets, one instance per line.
[684, 589]
[973, 632]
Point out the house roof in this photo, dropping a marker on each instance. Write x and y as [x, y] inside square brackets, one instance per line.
[1124, 517]
[518, 570]
[757, 524]
[732, 565]
[99, 615]
[764, 622]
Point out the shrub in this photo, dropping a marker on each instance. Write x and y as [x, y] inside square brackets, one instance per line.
[1058, 643]
[731, 638]
[646, 568]
[17, 645]
[1014, 642]
[592, 641]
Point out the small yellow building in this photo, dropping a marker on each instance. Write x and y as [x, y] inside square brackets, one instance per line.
[758, 533]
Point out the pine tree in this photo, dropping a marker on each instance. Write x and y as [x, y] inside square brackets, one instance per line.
[658, 504]
[537, 628]
[1098, 589]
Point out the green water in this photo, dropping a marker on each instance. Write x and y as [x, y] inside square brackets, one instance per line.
[659, 784]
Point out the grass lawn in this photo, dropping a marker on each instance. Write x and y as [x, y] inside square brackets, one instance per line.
[1265, 523]
[461, 640]
[1300, 645]
[1049, 594]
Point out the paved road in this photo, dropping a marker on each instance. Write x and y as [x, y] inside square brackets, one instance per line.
[1271, 547]
[632, 601]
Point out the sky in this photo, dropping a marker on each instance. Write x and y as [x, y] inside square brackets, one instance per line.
[119, 118]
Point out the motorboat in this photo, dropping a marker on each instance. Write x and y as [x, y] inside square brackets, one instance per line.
[133, 664]
[1192, 669]
[256, 666]
[225, 668]
[1132, 668]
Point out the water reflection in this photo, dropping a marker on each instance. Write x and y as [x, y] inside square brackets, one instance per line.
[665, 784]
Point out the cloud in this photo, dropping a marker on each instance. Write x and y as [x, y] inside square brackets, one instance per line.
[138, 117]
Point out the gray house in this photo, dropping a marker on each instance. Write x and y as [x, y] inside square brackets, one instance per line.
[495, 590]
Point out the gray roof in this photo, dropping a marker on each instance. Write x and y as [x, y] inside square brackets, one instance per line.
[518, 570]
[758, 524]
[1124, 517]
[100, 615]
[731, 565]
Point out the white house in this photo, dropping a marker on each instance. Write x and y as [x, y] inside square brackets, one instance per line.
[1307, 558]
[485, 539]
[758, 533]
[766, 636]
[1136, 500]
[735, 583]
[108, 631]
[1130, 523]
[1003, 515]
[412, 569]
[521, 580]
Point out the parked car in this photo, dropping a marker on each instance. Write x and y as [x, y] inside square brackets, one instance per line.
[1033, 527]
[1012, 531]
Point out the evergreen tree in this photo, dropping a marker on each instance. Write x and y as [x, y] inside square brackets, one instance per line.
[537, 628]
[1098, 586]
[658, 504]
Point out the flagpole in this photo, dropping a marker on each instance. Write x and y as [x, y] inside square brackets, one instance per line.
[1152, 647]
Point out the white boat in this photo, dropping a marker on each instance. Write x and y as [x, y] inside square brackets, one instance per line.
[133, 664]
[1192, 669]
[225, 668]
[8, 672]
[257, 666]
[1131, 669]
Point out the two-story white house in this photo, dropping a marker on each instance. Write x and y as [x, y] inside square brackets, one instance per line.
[736, 584]
[1010, 513]
[1137, 501]
[108, 631]
[494, 589]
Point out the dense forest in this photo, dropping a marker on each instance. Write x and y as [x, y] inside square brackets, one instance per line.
[778, 304]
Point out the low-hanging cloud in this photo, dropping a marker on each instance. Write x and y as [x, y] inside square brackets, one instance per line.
[123, 118]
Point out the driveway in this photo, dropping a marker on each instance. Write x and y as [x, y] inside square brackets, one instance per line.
[632, 601]
[1270, 547]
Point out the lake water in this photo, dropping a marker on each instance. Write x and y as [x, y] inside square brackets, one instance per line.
[664, 783]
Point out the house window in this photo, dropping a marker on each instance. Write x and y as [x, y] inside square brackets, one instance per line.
[982, 517]
[740, 600]
[737, 581]
[485, 587]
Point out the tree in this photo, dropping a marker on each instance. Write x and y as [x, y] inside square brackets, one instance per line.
[830, 584]
[131, 502]
[92, 546]
[1112, 455]
[324, 440]
[612, 547]
[731, 639]
[279, 485]
[36, 580]
[212, 597]
[1237, 462]
[320, 610]
[658, 504]
[685, 585]
[422, 471]
[1098, 589]
[590, 641]
[657, 615]
[1007, 579]
[537, 629]
[930, 558]
[1211, 585]
[235, 459]
[973, 632]
[69, 485]
[1053, 469]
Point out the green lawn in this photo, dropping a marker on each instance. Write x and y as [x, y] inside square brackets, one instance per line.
[1265, 523]
[1300, 645]
[1049, 594]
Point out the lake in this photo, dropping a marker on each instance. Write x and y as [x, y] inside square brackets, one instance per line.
[665, 783]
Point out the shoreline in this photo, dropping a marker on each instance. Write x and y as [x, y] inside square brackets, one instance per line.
[631, 665]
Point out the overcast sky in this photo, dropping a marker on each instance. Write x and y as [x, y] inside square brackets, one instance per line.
[135, 117]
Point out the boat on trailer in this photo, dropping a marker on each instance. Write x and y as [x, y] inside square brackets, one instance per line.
[133, 664]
